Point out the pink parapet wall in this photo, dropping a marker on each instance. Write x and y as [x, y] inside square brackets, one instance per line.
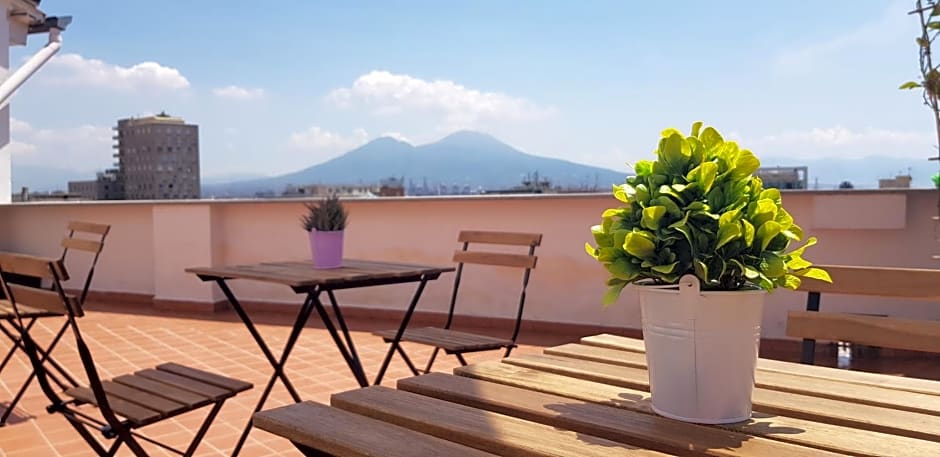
[151, 243]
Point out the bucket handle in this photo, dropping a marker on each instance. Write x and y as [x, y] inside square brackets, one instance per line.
[688, 284]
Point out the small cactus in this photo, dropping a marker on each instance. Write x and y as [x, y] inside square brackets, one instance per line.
[325, 216]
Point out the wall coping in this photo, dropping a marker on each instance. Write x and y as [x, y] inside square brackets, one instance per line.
[424, 198]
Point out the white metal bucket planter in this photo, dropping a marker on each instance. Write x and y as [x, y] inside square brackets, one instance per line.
[701, 350]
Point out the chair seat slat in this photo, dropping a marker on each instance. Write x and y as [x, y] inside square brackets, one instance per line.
[164, 390]
[182, 382]
[223, 382]
[135, 413]
[147, 400]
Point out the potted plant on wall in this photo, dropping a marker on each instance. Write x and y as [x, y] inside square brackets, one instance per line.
[325, 221]
[705, 241]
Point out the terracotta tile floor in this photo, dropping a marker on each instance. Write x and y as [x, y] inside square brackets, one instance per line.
[122, 343]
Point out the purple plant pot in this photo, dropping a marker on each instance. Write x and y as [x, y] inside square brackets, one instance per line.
[326, 248]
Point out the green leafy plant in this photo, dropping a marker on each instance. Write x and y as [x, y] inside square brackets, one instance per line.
[327, 215]
[698, 209]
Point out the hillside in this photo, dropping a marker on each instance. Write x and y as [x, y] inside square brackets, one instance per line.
[462, 158]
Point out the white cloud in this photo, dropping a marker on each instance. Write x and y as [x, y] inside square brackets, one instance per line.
[843, 142]
[84, 148]
[388, 94]
[324, 141]
[238, 93]
[75, 70]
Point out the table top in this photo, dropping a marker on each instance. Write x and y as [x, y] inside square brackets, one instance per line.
[301, 274]
[591, 398]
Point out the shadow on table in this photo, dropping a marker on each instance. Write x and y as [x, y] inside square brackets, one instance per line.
[632, 423]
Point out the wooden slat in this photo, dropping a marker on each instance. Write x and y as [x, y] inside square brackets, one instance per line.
[206, 377]
[867, 417]
[488, 237]
[476, 428]
[450, 340]
[924, 386]
[915, 335]
[185, 383]
[190, 399]
[836, 438]
[6, 311]
[89, 227]
[496, 258]
[42, 299]
[775, 380]
[82, 245]
[153, 402]
[878, 281]
[132, 411]
[28, 265]
[344, 434]
[621, 425]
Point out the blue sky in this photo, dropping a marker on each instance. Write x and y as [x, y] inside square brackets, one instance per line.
[278, 86]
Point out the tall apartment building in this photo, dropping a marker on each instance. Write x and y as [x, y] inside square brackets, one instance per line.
[157, 158]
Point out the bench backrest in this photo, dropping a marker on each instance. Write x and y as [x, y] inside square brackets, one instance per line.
[904, 283]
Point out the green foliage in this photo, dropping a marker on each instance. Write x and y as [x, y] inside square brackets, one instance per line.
[325, 216]
[936, 180]
[698, 209]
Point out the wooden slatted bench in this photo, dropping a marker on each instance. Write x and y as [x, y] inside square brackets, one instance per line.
[314, 427]
[888, 332]
[592, 398]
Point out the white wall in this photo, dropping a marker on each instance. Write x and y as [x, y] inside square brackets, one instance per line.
[152, 242]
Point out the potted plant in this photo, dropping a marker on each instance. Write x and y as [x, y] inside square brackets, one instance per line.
[705, 241]
[325, 221]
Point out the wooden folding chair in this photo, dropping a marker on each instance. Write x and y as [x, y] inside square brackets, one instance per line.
[458, 343]
[86, 237]
[125, 403]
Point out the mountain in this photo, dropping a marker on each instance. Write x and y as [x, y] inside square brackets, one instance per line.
[462, 158]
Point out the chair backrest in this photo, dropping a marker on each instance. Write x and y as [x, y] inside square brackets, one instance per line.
[86, 237]
[29, 298]
[888, 332]
[54, 300]
[525, 262]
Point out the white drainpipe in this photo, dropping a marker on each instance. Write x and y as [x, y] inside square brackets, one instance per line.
[17, 78]
[54, 26]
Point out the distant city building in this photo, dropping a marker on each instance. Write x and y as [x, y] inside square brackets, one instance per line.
[157, 158]
[897, 182]
[531, 184]
[784, 177]
[325, 190]
[392, 187]
[107, 186]
[26, 196]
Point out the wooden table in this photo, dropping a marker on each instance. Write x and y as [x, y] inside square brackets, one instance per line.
[591, 399]
[302, 278]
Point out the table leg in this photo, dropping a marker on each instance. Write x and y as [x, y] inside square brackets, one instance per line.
[401, 329]
[342, 324]
[355, 365]
[278, 365]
